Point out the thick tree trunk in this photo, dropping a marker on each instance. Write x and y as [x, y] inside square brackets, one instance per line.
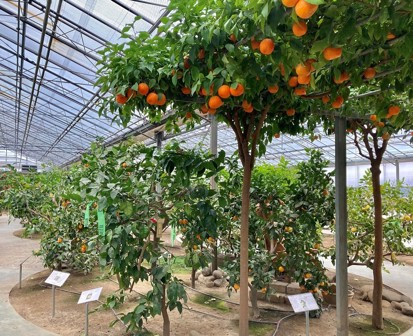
[254, 302]
[214, 265]
[377, 320]
[246, 186]
[165, 316]
[193, 271]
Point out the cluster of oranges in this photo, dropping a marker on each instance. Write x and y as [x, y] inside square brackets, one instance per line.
[152, 98]
[303, 10]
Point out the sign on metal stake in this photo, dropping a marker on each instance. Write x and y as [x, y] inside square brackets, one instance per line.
[56, 278]
[304, 303]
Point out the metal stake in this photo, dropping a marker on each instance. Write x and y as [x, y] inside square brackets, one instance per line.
[307, 323]
[20, 276]
[87, 319]
[53, 300]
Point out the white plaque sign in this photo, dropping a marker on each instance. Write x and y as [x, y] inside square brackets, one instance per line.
[90, 295]
[57, 278]
[303, 302]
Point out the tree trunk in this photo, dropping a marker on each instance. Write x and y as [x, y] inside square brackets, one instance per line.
[214, 264]
[246, 186]
[377, 320]
[254, 302]
[193, 271]
[165, 316]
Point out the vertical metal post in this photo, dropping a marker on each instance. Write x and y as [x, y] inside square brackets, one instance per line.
[87, 319]
[53, 300]
[159, 138]
[341, 227]
[307, 323]
[397, 171]
[20, 276]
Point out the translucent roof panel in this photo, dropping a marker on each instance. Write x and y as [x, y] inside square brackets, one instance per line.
[48, 52]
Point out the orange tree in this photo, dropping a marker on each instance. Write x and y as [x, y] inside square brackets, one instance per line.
[263, 68]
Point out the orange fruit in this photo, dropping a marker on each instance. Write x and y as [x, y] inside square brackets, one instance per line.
[293, 81]
[281, 269]
[290, 112]
[305, 10]
[121, 99]
[267, 46]
[201, 53]
[204, 92]
[390, 36]
[152, 98]
[60, 240]
[212, 111]
[143, 89]
[249, 109]
[282, 69]
[299, 28]
[380, 124]
[300, 91]
[215, 102]
[131, 93]
[385, 136]
[277, 135]
[344, 76]
[83, 248]
[369, 73]
[303, 79]
[246, 104]
[308, 275]
[337, 102]
[331, 53]
[255, 45]
[204, 108]
[161, 101]
[233, 38]
[124, 165]
[224, 91]
[238, 91]
[289, 3]
[186, 90]
[236, 286]
[325, 99]
[393, 110]
[373, 117]
[273, 89]
[188, 115]
[187, 64]
[303, 70]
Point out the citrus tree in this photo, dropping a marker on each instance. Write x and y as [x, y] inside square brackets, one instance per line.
[264, 68]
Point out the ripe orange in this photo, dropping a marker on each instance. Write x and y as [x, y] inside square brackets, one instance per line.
[325, 99]
[305, 10]
[121, 99]
[143, 89]
[293, 81]
[201, 53]
[282, 69]
[83, 248]
[233, 38]
[152, 98]
[187, 63]
[224, 91]
[161, 101]
[60, 240]
[289, 3]
[124, 165]
[393, 110]
[331, 53]
[212, 111]
[215, 102]
[281, 269]
[130, 93]
[300, 91]
[188, 115]
[380, 124]
[299, 28]
[369, 73]
[204, 108]
[236, 286]
[267, 46]
[186, 90]
[204, 92]
[273, 89]
[249, 109]
[308, 276]
[255, 45]
[238, 91]
[246, 104]
[303, 69]
[277, 135]
[337, 102]
[373, 117]
[304, 79]
[390, 36]
[344, 76]
[290, 112]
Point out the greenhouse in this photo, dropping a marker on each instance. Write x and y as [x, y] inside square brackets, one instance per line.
[206, 167]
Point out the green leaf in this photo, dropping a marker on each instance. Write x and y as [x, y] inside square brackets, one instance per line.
[316, 2]
[75, 197]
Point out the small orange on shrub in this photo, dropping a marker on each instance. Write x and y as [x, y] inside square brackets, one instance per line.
[238, 91]
[273, 89]
[224, 91]
[331, 53]
[121, 99]
[152, 98]
[267, 46]
[289, 3]
[290, 112]
[305, 10]
[337, 102]
[215, 102]
[299, 28]
[143, 89]
[369, 73]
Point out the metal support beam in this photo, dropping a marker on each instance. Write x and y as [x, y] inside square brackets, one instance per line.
[341, 227]
[397, 170]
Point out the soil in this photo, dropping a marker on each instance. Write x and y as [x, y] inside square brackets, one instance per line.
[34, 302]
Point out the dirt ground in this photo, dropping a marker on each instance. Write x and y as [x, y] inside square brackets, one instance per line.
[34, 303]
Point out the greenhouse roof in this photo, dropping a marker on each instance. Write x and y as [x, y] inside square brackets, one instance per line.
[48, 101]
